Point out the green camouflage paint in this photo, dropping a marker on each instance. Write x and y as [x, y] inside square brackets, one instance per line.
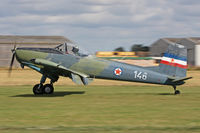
[27, 55]
[90, 65]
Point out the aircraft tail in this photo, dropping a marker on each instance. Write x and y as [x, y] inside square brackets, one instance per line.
[174, 61]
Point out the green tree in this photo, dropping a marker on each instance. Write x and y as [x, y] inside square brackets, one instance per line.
[139, 47]
[119, 49]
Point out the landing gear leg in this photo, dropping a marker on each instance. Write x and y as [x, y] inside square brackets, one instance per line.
[176, 92]
[38, 88]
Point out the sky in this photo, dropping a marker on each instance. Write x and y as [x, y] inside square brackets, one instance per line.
[102, 25]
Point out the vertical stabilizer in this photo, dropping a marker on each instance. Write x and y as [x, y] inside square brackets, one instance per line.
[174, 61]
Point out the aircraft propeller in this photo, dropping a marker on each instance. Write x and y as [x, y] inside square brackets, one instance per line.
[12, 60]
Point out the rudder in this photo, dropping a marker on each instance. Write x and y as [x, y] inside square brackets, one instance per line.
[174, 61]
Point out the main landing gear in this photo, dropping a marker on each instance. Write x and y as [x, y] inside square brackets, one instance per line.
[176, 92]
[43, 89]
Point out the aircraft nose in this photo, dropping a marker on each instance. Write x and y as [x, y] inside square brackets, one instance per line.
[27, 54]
[16, 52]
[20, 54]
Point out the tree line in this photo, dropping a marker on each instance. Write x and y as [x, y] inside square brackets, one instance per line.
[134, 48]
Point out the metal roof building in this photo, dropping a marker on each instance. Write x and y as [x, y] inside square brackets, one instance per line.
[7, 43]
[192, 44]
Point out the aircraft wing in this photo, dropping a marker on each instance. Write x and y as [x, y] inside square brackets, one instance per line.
[76, 77]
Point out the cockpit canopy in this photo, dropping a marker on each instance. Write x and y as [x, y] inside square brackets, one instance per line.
[67, 48]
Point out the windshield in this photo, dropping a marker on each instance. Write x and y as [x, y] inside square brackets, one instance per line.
[68, 48]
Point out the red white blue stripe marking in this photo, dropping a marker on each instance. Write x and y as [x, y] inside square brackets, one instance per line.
[173, 60]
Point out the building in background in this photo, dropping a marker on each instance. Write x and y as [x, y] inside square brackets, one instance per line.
[192, 44]
[7, 43]
[157, 49]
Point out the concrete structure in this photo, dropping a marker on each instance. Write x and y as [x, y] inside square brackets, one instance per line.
[193, 48]
[7, 43]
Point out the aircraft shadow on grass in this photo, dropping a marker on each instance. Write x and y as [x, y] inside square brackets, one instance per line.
[165, 93]
[55, 94]
[65, 93]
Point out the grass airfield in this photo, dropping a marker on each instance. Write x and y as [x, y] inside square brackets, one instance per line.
[102, 107]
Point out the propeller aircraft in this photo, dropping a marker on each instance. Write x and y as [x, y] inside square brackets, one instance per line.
[67, 60]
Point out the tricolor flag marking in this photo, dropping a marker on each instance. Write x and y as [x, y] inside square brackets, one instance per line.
[173, 60]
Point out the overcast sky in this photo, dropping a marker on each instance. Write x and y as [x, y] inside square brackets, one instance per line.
[101, 25]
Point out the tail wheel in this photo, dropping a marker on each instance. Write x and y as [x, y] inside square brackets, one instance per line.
[177, 92]
[38, 89]
[48, 89]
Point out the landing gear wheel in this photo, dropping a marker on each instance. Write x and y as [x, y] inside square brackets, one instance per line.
[177, 92]
[48, 89]
[38, 89]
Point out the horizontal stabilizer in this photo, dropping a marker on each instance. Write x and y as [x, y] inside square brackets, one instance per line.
[179, 79]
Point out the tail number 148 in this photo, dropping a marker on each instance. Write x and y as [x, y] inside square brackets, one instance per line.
[140, 75]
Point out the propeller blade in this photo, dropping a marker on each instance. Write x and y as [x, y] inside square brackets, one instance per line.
[12, 60]
[11, 64]
[13, 50]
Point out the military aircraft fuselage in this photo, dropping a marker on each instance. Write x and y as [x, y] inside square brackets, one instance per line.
[89, 65]
[69, 61]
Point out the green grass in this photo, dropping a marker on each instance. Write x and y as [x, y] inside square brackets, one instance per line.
[101, 109]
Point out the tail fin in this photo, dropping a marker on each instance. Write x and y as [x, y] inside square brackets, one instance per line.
[174, 61]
